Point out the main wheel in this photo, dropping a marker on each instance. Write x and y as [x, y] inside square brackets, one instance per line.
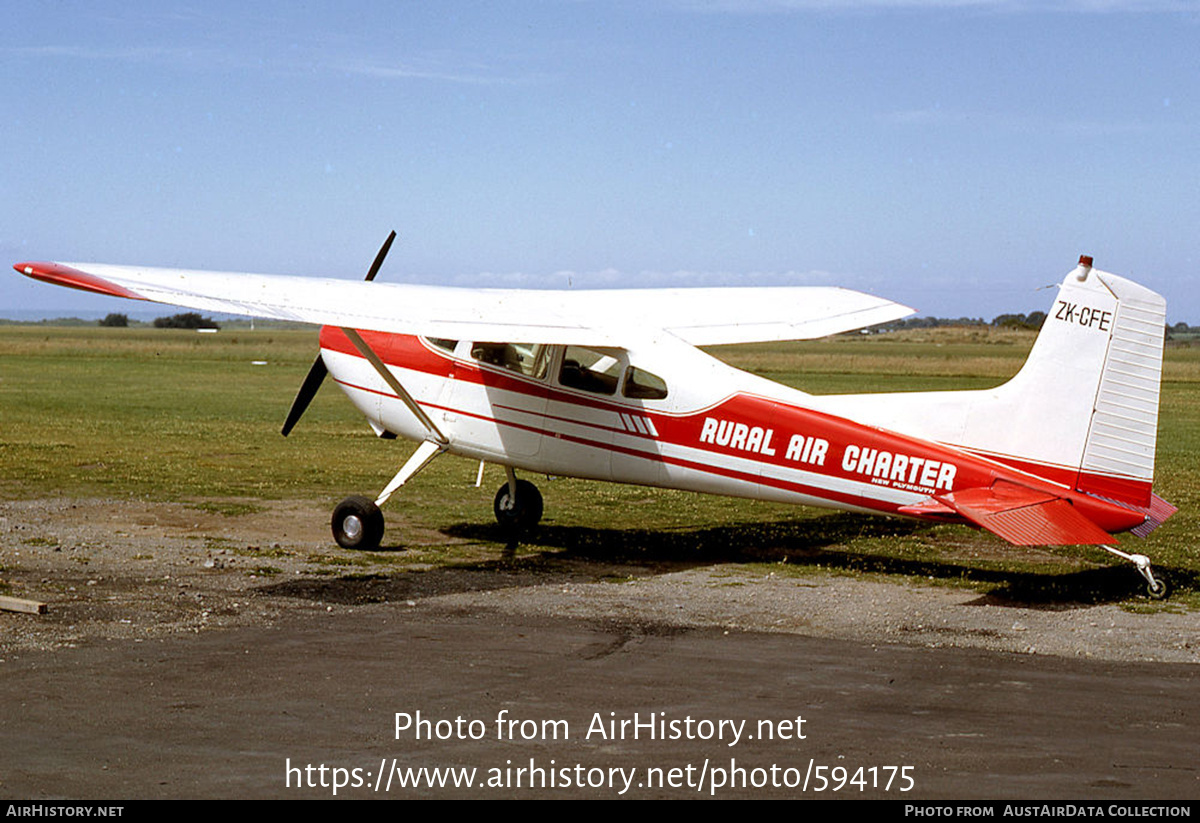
[358, 524]
[527, 510]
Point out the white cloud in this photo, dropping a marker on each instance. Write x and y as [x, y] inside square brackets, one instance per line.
[445, 68]
[1000, 121]
[1057, 6]
[466, 73]
[127, 54]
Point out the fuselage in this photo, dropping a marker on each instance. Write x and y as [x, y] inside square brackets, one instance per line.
[674, 418]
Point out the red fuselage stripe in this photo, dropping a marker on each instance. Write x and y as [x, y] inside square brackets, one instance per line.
[848, 447]
[705, 468]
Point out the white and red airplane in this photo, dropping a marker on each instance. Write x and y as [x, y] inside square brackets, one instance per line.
[610, 385]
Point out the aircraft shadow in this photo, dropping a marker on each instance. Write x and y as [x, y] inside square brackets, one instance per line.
[584, 554]
[817, 542]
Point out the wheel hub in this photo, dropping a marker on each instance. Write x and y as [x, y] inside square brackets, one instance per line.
[352, 526]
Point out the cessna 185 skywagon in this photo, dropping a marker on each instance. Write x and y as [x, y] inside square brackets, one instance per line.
[610, 385]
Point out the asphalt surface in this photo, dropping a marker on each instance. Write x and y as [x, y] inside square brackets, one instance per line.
[256, 712]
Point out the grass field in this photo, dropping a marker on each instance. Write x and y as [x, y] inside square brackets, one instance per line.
[171, 415]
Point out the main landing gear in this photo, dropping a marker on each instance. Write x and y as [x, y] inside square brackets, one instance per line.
[358, 523]
[1157, 588]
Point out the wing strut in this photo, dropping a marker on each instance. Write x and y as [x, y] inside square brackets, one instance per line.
[435, 442]
[435, 434]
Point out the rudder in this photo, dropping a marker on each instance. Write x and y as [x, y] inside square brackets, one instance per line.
[1118, 458]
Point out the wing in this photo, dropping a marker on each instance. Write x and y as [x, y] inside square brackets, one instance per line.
[700, 317]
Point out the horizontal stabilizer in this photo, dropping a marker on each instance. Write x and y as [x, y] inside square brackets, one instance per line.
[929, 508]
[1025, 517]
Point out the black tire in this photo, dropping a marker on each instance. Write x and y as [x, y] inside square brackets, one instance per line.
[357, 524]
[528, 510]
[1162, 592]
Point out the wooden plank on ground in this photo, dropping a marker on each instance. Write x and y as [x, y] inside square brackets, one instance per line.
[17, 604]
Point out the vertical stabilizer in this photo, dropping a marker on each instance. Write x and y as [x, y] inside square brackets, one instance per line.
[1087, 398]
[1083, 410]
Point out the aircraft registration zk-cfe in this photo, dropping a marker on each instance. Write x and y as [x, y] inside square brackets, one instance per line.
[610, 385]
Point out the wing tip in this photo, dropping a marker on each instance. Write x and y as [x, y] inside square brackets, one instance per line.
[60, 275]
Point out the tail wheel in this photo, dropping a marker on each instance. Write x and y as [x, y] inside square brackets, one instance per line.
[358, 524]
[524, 512]
[1160, 589]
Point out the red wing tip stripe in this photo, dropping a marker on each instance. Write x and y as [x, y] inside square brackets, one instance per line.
[61, 275]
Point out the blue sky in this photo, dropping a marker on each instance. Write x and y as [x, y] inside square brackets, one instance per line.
[956, 155]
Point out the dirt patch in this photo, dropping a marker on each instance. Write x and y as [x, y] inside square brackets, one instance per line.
[137, 570]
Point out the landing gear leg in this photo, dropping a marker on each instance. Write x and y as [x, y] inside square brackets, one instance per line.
[518, 504]
[1156, 587]
[358, 522]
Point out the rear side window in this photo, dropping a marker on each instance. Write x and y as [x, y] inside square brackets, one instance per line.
[643, 385]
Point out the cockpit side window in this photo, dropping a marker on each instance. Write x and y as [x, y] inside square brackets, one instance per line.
[531, 360]
[643, 385]
[443, 343]
[589, 370]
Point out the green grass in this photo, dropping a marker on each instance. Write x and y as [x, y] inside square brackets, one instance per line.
[174, 415]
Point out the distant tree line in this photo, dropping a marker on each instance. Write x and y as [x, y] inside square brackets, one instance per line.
[188, 320]
[1032, 321]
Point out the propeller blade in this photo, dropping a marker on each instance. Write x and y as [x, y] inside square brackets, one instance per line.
[316, 375]
[383, 250]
